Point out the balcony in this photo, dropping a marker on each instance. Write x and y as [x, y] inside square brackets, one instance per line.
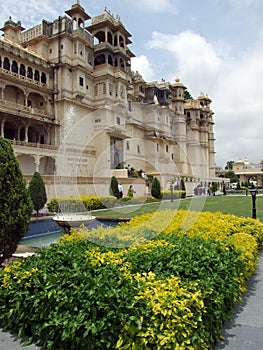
[26, 112]
[21, 78]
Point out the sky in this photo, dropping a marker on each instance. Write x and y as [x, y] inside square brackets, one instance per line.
[213, 46]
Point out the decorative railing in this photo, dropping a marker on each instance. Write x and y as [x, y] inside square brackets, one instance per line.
[19, 109]
[33, 145]
[20, 77]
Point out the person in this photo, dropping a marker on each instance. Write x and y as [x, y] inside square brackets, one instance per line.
[131, 191]
[120, 190]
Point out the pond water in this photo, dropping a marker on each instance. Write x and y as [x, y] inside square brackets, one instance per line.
[44, 232]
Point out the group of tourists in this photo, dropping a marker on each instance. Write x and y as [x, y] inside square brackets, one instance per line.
[130, 193]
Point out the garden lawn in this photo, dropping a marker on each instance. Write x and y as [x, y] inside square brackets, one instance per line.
[237, 205]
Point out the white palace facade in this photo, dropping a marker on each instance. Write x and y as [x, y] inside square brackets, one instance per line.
[75, 111]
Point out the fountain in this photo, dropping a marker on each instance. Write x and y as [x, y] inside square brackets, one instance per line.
[70, 220]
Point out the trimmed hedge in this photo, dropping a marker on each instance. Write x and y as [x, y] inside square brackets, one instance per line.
[80, 204]
[166, 280]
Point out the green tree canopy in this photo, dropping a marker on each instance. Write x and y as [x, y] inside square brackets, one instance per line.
[187, 95]
[229, 165]
[15, 204]
[232, 176]
[37, 192]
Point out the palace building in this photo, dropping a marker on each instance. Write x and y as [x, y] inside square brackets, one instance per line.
[75, 111]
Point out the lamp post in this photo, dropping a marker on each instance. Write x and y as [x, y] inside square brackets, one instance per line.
[253, 192]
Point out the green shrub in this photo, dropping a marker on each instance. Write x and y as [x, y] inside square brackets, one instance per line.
[114, 189]
[156, 188]
[80, 204]
[177, 194]
[182, 187]
[15, 204]
[37, 192]
[168, 289]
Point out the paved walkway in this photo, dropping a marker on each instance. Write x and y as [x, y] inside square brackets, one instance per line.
[243, 332]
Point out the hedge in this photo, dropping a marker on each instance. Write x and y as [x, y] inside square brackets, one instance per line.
[166, 280]
[80, 204]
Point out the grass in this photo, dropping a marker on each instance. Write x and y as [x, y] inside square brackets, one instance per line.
[237, 205]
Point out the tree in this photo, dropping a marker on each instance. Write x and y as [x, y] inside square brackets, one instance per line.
[229, 165]
[182, 187]
[114, 188]
[15, 203]
[187, 95]
[214, 188]
[156, 188]
[37, 192]
[232, 176]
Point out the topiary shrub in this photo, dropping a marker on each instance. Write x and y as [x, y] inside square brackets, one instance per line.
[15, 203]
[156, 188]
[114, 189]
[37, 192]
[182, 185]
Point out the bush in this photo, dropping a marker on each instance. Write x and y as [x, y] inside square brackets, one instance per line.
[182, 186]
[169, 288]
[37, 192]
[177, 194]
[156, 188]
[114, 189]
[15, 204]
[80, 204]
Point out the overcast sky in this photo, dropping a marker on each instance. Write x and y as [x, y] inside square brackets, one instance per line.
[213, 46]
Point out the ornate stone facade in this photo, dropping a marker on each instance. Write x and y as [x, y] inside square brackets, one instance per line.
[74, 110]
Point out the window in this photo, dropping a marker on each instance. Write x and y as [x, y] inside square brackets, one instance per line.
[118, 120]
[130, 106]
[29, 73]
[110, 89]
[81, 81]
[166, 148]
[128, 146]
[138, 149]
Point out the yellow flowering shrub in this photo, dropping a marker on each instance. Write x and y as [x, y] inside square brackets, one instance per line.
[171, 315]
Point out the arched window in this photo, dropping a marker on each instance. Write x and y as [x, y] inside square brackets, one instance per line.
[29, 73]
[22, 70]
[115, 40]
[80, 23]
[14, 67]
[122, 63]
[6, 63]
[100, 59]
[43, 78]
[100, 36]
[110, 61]
[36, 75]
[121, 40]
[109, 38]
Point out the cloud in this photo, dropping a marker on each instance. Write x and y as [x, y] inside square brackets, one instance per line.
[30, 12]
[143, 66]
[196, 59]
[235, 84]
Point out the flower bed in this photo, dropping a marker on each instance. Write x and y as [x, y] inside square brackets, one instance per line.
[166, 280]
